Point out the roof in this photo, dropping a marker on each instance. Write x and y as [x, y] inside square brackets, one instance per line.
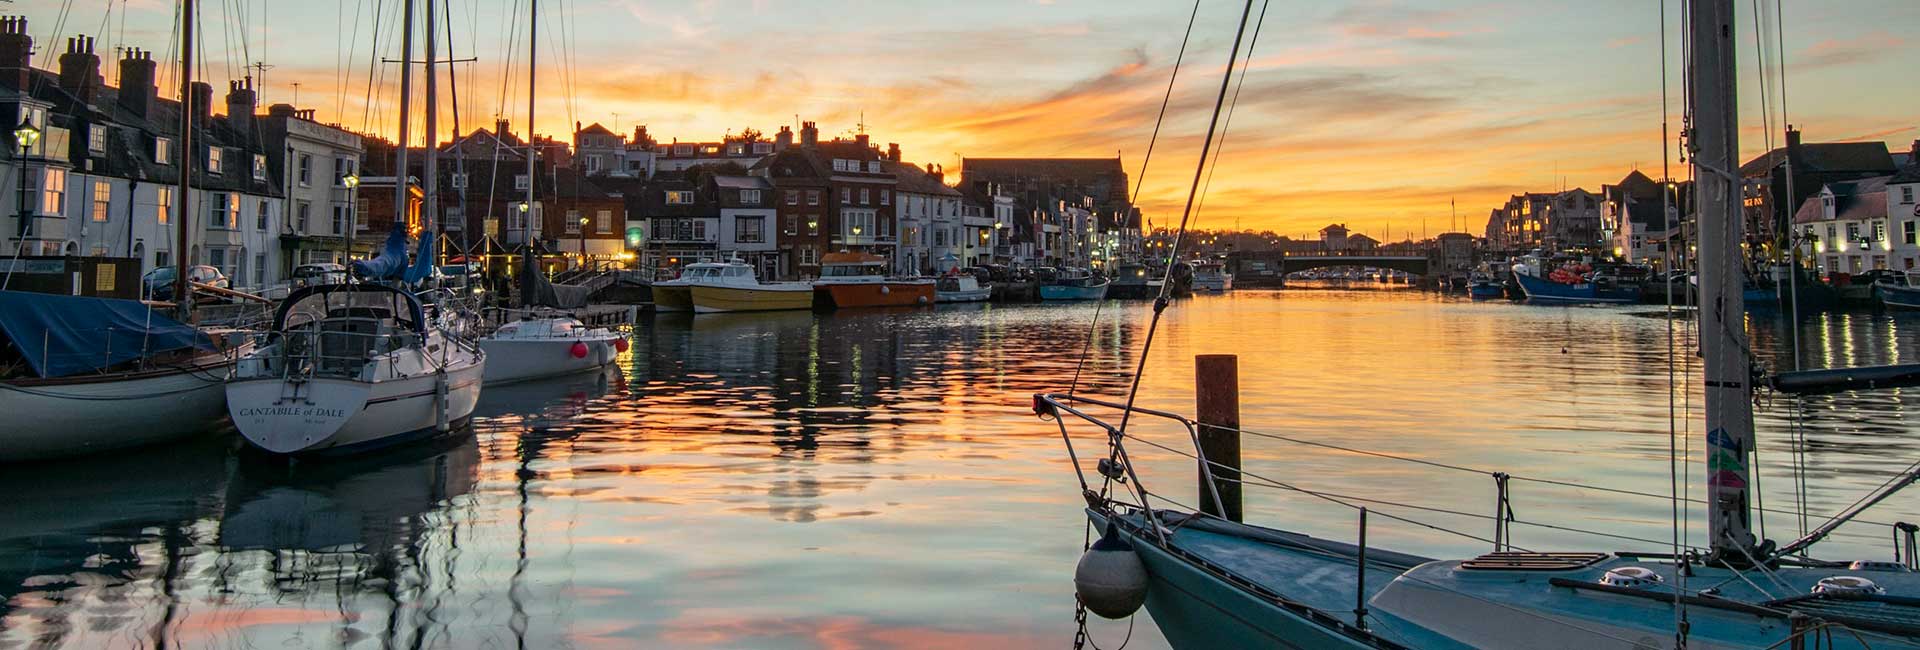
[1852, 201]
[1909, 175]
[741, 182]
[596, 129]
[1049, 167]
[1826, 157]
[914, 179]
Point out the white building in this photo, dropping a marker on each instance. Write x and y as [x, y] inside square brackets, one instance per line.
[929, 216]
[1846, 229]
[313, 162]
[746, 223]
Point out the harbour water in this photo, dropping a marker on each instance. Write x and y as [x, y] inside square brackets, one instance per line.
[876, 479]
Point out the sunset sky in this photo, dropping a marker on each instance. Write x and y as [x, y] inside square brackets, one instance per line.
[1367, 112]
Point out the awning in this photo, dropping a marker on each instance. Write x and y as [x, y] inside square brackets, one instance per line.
[69, 335]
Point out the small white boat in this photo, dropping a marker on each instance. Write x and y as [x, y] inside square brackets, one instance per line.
[677, 294]
[961, 288]
[353, 367]
[1211, 276]
[552, 346]
[141, 378]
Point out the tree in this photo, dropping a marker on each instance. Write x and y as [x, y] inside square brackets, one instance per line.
[751, 134]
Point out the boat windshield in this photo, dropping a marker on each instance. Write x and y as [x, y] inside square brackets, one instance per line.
[850, 270]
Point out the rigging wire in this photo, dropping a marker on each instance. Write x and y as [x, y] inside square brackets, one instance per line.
[1674, 462]
[1138, 182]
[1226, 125]
[1160, 303]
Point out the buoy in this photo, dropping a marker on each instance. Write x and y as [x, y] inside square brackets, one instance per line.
[579, 350]
[1110, 579]
[620, 344]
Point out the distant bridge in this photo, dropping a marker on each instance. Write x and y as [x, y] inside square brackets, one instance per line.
[1254, 266]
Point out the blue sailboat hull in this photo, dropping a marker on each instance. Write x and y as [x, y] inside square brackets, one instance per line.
[1548, 291]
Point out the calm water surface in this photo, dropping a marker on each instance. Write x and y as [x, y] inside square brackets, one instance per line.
[876, 479]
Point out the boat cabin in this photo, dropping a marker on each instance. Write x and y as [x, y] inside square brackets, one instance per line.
[336, 329]
[852, 266]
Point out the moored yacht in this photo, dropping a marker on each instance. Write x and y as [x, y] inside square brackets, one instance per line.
[733, 287]
[961, 287]
[1211, 276]
[677, 294]
[860, 280]
[539, 346]
[352, 367]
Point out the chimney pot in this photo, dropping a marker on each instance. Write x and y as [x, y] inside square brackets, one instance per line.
[80, 70]
[893, 151]
[137, 93]
[16, 53]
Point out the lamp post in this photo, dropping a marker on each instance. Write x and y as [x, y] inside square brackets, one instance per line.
[352, 181]
[584, 221]
[25, 136]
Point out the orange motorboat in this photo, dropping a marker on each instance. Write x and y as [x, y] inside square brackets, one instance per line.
[860, 280]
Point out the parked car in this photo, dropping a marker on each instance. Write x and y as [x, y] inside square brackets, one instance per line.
[158, 283]
[306, 275]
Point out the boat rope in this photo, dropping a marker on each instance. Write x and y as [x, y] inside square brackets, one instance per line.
[1226, 125]
[1680, 622]
[1173, 252]
[1138, 182]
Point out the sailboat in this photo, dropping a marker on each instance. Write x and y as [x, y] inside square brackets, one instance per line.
[83, 375]
[359, 366]
[544, 343]
[1212, 582]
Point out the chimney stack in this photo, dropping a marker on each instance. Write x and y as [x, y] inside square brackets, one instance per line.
[783, 139]
[16, 52]
[240, 105]
[809, 135]
[137, 94]
[80, 70]
[862, 139]
[893, 151]
[500, 128]
[281, 110]
[1793, 137]
[1913, 155]
[202, 104]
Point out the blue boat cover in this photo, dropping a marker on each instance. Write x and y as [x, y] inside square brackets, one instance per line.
[69, 335]
[422, 261]
[391, 261]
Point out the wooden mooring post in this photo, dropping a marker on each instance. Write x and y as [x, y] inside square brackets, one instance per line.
[1216, 393]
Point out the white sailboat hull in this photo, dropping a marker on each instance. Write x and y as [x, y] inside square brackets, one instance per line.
[47, 420]
[345, 415]
[511, 360]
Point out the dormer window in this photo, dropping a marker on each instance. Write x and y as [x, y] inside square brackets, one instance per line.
[163, 151]
[710, 150]
[873, 166]
[736, 149]
[520, 182]
[459, 181]
[213, 160]
[97, 138]
[259, 167]
[683, 150]
[679, 197]
[762, 148]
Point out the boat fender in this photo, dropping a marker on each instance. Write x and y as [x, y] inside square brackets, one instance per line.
[922, 300]
[885, 290]
[579, 350]
[1110, 579]
[620, 344]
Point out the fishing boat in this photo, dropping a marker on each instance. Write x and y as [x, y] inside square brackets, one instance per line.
[1484, 284]
[1898, 295]
[677, 294]
[86, 375]
[353, 367]
[961, 287]
[1211, 581]
[1211, 276]
[1075, 284]
[1572, 283]
[733, 287]
[850, 280]
[1134, 281]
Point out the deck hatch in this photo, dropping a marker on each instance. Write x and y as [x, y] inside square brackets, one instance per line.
[1518, 561]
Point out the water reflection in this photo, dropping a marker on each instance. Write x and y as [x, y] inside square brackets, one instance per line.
[875, 479]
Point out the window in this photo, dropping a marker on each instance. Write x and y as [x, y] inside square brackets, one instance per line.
[53, 193]
[456, 219]
[259, 167]
[163, 151]
[749, 230]
[793, 197]
[679, 197]
[762, 147]
[683, 150]
[593, 164]
[1853, 232]
[839, 165]
[865, 196]
[223, 211]
[1906, 194]
[217, 258]
[873, 166]
[160, 258]
[259, 269]
[162, 205]
[736, 149]
[520, 182]
[886, 196]
[750, 197]
[102, 199]
[213, 160]
[342, 168]
[306, 170]
[857, 223]
[1907, 234]
[813, 224]
[846, 195]
[459, 181]
[573, 222]
[260, 217]
[809, 256]
[603, 222]
[340, 216]
[97, 138]
[302, 214]
[711, 149]
[793, 224]
[1879, 231]
[813, 197]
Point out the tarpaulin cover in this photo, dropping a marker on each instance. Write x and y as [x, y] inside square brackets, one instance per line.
[68, 335]
[422, 261]
[391, 261]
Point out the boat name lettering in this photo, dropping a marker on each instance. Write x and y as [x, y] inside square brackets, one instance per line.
[299, 411]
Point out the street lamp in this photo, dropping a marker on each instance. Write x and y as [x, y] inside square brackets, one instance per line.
[584, 221]
[352, 182]
[26, 135]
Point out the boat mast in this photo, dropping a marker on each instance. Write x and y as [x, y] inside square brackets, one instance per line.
[1722, 315]
[406, 114]
[183, 226]
[430, 185]
[526, 252]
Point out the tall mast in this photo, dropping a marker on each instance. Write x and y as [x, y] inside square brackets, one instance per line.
[183, 227]
[430, 185]
[533, 52]
[406, 114]
[1722, 316]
